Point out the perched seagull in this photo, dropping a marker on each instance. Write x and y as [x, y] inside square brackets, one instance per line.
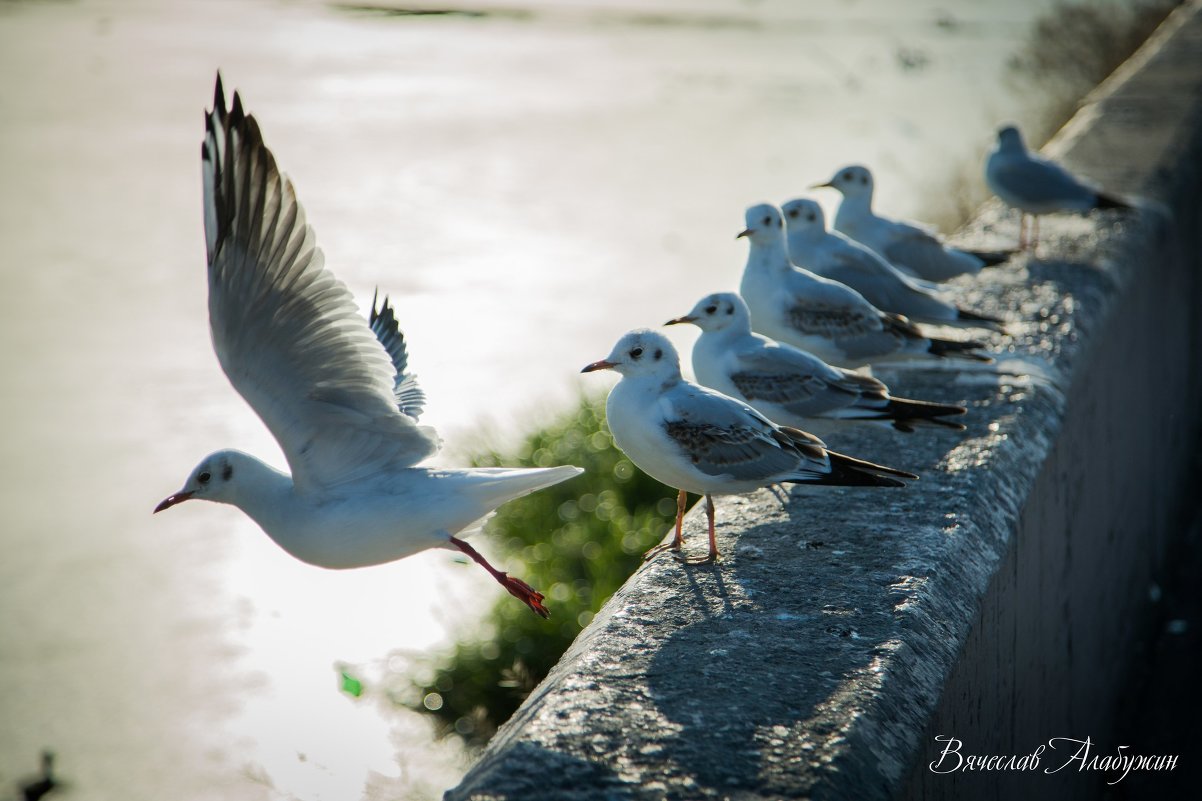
[788, 385]
[1036, 186]
[824, 317]
[292, 343]
[704, 442]
[832, 255]
[914, 248]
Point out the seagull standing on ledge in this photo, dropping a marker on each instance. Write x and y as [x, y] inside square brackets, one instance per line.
[791, 386]
[833, 255]
[336, 398]
[824, 317]
[916, 249]
[1036, 186]
[704, 442]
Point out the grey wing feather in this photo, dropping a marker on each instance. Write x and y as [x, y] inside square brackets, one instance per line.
[787, 379]
[723, 437]
[287, 333]
[836, 322]
[409, 396]
[1040, 181]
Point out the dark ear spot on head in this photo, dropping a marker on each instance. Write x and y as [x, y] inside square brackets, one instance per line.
[227, 472]
[659, 354]
[767, 220]
[730, 309]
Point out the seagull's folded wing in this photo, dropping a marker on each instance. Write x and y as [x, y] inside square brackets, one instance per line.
[1036, 180]
[723, 437]
[287, 333]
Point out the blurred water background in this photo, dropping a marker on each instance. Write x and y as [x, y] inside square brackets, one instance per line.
[528, 180]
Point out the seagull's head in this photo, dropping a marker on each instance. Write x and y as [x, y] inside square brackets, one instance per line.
[1009, 138]
[641, 352]
[763, 222]
[804, 214]
[212, 480]
[854, 180]
[718, 312]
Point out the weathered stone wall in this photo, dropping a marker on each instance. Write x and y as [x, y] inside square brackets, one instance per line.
[1002, 599]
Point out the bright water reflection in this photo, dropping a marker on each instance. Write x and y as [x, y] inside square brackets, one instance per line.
[526, 187]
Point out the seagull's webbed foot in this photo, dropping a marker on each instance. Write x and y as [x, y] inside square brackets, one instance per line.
[525, 593]
[514, 586]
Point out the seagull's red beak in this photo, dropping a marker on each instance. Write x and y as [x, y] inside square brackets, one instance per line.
[601, 365]
[678, 320]
[172, 500]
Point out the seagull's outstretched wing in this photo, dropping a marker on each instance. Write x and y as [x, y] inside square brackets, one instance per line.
[286, 331]
[409, 396]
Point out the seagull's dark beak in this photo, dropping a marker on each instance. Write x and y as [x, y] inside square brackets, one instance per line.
[743, 233]
[823, 185]
[601, 365]
[679, 320]
[172, 500]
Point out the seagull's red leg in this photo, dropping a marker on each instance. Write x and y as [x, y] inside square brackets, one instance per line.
[709, 513]
[713, 554]
[1022, 231]
[682, 498]
[516, 587]
[1035, 242]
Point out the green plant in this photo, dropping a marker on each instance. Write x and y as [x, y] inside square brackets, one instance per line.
[577, 541]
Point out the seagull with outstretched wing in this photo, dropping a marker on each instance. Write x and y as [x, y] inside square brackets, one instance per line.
[332, 387]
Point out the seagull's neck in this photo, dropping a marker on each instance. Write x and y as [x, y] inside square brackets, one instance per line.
[853, 209]
[803, 241]
[264, 494]
[768, 255]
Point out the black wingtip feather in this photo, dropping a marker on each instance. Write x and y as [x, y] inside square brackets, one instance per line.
[954, 349]
[219, 95]
[1108, 201]
[982, 320]
[992, 258]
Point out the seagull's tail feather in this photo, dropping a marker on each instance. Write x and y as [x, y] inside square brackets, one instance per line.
[905, 414]
[992, 258]
[956, 349]
[1109, 201]
[496, 485]
[847, 471]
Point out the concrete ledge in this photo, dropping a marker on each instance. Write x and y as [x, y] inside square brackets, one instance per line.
[1001, 599]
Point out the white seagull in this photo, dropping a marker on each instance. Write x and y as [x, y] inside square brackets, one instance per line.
[824, 317]
[832, 255]
[292, 343]
[908, 246]
[790, 386]
[704, 442]
[1036, 186]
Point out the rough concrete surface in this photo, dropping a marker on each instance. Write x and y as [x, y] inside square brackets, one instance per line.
[1003, 599]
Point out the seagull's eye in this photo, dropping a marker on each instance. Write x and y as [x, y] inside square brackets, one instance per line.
[792, 214]
[711, 309]
[847, 176]
[204, 477]
[636, 353]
